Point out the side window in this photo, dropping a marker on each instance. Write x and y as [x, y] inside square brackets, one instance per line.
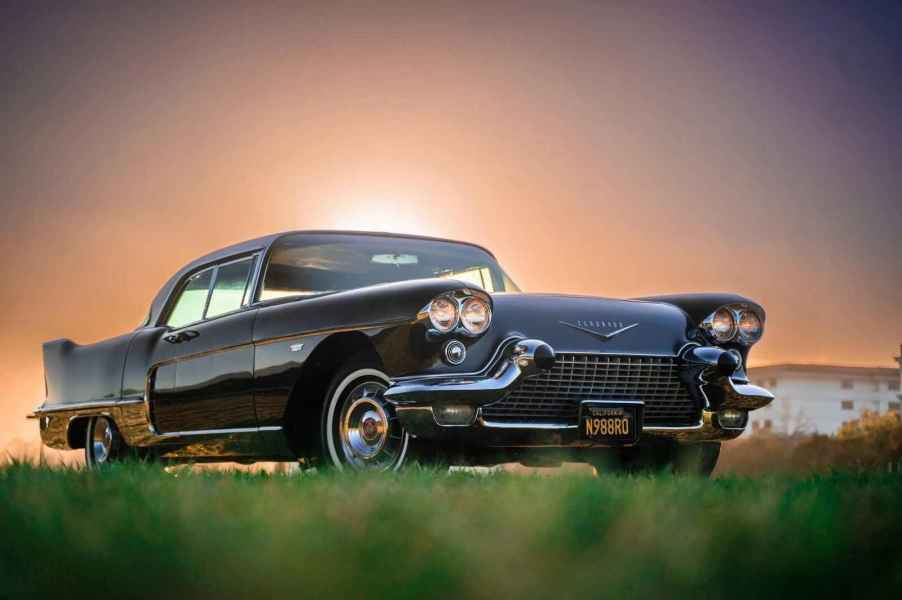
[193, 298]
[228, 289]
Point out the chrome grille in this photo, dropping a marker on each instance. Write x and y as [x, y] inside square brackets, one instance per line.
[554, 396]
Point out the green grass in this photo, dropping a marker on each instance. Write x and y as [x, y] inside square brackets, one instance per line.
[137, 531]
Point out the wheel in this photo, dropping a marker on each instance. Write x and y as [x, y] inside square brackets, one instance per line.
[103, 443]
[359, 430]
[696, 459]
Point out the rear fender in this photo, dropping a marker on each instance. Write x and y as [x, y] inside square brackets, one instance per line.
[90, 373]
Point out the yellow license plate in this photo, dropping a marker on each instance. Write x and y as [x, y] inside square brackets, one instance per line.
[610, 423]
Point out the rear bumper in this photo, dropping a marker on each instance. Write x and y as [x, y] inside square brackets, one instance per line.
[416, 401]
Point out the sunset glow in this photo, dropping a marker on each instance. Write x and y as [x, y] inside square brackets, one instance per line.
[595, 148]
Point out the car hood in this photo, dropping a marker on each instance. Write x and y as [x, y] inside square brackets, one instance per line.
[581, 323]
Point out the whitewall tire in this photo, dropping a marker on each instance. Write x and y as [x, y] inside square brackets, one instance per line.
[360, 431]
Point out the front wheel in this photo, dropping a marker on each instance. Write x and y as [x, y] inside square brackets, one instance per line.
[360, 431]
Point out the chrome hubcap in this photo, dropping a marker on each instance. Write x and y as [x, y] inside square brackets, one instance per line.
[371, 435]
[102, 441]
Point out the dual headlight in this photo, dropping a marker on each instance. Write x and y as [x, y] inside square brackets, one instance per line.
[473, 313]
[734, 322]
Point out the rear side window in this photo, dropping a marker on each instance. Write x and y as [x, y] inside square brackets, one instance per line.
[192, 301]
[228, 289]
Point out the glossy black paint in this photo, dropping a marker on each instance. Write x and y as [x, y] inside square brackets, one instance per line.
[245, 371]
[84, 373]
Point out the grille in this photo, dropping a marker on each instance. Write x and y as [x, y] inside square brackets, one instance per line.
[554, 396]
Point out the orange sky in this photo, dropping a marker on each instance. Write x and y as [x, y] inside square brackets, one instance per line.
[595, 149]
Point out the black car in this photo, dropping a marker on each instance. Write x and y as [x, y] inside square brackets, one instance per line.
[368, 351]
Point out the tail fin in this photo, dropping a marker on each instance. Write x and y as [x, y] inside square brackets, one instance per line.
[55, 353]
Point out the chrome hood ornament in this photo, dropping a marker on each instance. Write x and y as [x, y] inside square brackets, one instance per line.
[591, 328]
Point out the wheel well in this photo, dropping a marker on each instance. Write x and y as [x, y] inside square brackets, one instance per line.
[78, 429]
[302, 415]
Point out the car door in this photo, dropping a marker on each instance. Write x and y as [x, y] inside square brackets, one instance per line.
[202, 378]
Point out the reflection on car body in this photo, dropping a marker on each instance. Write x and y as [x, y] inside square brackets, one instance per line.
[368, 351]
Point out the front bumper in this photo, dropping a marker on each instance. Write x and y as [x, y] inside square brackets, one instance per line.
[417, 400]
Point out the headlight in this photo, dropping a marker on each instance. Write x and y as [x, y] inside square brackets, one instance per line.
[750, 327]
[475, 315]
[721, 325]
[443, 314]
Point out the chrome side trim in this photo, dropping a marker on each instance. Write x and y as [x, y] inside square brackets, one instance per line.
[85, 405]
[329, 331]
[170, 434]
[199, 354]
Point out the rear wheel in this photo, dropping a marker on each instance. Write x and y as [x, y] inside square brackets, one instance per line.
[360, 431]
[103, 443]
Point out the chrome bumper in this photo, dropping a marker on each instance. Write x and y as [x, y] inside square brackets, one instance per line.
[414, 400]
[526, 358]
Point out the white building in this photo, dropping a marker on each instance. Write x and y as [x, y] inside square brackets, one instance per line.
[820, 398]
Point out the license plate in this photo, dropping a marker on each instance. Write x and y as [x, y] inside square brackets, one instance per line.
[611, 423]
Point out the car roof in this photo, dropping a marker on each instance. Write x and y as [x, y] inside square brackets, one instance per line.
[262, 244]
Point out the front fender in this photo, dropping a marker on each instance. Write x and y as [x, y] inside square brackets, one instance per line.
[383, 304]
[699, 306]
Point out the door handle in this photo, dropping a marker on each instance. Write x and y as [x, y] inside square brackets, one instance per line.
[181, 336]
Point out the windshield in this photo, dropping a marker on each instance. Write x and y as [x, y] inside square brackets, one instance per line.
[310, 264]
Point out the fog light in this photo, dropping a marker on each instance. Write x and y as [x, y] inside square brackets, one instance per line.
[730, 418]
[454, 414]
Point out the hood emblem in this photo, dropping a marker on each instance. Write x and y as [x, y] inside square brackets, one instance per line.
[588, 326]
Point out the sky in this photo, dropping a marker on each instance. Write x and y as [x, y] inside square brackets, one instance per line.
[602, 148]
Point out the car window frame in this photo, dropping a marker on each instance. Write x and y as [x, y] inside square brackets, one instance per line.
[244, 296]
[260, 275]
[246, 303]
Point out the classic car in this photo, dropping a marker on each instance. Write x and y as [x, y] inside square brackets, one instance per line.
[370, 351]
